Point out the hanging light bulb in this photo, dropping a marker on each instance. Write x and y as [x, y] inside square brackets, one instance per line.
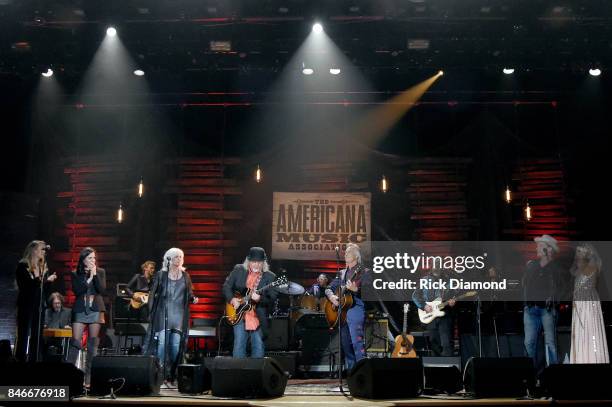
[508, 195]
[258, 175]
[120, 214]
[528, 212]
[140, 188]
[384, 184]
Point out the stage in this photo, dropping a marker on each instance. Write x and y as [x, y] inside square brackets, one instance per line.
[317, 392]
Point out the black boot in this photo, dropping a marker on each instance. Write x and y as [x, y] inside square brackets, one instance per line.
[73, 351]
[92, 350]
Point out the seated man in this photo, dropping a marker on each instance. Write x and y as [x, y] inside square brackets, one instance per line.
[57, 316]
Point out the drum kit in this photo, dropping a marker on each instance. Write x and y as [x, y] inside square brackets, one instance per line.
[304, 308]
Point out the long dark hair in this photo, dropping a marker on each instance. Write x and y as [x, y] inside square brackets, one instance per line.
[80, 269]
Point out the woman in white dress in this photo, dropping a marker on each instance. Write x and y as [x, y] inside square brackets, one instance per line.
[589, 343]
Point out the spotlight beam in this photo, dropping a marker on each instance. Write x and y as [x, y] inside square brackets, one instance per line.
[376, 123]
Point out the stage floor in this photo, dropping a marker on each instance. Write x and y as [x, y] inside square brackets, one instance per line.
[303, 393]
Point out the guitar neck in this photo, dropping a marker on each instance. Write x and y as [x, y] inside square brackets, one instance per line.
[460, 297]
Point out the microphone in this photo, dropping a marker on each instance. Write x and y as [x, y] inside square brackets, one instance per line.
[337, 248]
[47, 247]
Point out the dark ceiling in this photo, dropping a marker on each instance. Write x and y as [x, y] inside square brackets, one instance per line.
[172, 38]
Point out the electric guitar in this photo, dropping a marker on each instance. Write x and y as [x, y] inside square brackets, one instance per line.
[404, 344]
[234, 315]
[437, 305]
[345, 298]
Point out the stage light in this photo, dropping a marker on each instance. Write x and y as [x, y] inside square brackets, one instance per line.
[307, 71]
[334, 71]
[139, 72]
[384, 184]
[508, 195]
[120, 214]
[48, 73]
[317, 28]
[258, 175]
[440, 72]
[111, 31]
[528, 214]
[508, 71]
[594, 71]
[140, 188]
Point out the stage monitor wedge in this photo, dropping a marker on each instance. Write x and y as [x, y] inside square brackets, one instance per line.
[500, 377]
[247, 377]
[384, 378]
[125, 375]
[578, 381]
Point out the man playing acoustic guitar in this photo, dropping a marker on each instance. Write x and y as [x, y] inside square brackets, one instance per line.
[351, 330]
[242, 282]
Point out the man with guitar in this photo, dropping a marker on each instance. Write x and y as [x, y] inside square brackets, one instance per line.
[349, 285]
[243, 284]
[138, 290]
[439, 329]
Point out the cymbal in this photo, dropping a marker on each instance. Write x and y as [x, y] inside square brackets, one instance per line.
[290, 288]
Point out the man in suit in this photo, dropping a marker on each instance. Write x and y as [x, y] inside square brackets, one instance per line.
[252, 274]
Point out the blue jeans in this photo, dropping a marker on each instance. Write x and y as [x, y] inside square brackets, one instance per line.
[242, 336]
[171, 353]
[352, 334]
[535, 318]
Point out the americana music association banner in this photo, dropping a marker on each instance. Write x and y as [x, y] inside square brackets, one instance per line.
[309, 226]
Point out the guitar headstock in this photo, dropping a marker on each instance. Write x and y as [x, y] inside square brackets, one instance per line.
[406, 307]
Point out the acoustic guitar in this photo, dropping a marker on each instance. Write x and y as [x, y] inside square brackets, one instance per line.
[234, 315]
[404, 343]
[437, 305]
[139, 299]
[345, 298]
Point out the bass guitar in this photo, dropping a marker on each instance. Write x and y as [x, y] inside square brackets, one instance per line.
[234, 315]
[404, 343]
[345, 298]
[437, 305]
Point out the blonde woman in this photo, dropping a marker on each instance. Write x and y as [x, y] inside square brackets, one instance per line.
[32, 277]
[169, 299]
[589, 344]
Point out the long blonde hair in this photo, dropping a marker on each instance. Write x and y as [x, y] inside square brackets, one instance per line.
[592, 256]
[28, 254]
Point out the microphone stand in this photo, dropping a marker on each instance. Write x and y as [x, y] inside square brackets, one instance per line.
[166, 281]
[40, 308]
[478, 312]
[340, 306]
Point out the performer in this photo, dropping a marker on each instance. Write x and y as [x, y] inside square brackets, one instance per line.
[318, 289]
[589, 343]
[170, 296]
[88, 285]
[253, 273]
[140, 283]
[352, 277]
[31, 272]
[440, 330]
[57, 316]
[542, 286]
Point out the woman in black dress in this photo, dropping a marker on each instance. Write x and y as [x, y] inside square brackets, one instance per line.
[88, 282]
[31, 272]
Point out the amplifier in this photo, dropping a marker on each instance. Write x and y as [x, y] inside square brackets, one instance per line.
[376, 335]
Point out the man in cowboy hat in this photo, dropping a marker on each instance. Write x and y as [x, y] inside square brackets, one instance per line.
[542, 286]
[253, 273]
